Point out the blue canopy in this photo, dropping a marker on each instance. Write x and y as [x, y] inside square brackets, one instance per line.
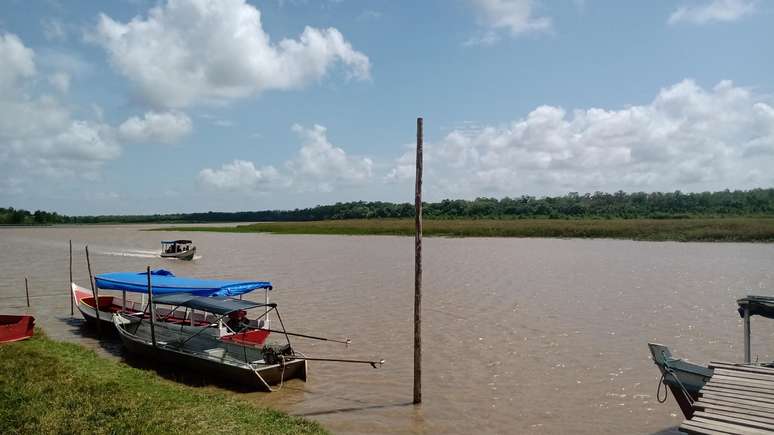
[165, 282]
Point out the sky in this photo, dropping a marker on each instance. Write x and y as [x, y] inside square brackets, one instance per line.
[162, 106]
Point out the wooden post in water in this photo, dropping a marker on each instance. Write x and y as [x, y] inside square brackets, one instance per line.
[94, 293]
[151, 309]
[418, 271]
[27, 291]
[70, 284]
[747, 353]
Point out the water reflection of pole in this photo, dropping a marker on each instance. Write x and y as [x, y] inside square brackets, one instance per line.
[418, 271]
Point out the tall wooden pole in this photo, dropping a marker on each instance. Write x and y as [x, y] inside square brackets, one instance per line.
[94, 293]
[27, 291]
[418, 271]
[70, 284]
[151, 309]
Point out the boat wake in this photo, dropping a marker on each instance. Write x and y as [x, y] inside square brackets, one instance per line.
[139, 253]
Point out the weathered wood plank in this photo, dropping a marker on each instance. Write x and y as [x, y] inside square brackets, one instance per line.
[744, 385]
[738, 380]
[742, 367]
[719, 427]
[746, 375]
[731, 427]
[725, 407]
[694, 428]
[764, 392]
[742, 402]
[736, 420]
[746, 409]
[757, 419]
[737, 394]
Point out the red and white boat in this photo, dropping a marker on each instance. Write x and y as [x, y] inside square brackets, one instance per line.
[15, 328]
[84, 301]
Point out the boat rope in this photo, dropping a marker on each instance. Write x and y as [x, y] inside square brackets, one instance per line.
[658, 391]
[668, 369]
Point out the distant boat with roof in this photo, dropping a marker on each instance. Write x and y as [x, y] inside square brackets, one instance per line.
[179, 249]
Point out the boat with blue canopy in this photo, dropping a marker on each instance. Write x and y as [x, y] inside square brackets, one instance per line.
[216, 336]
[163, 282]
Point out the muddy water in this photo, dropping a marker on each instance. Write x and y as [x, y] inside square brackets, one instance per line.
[521, 335]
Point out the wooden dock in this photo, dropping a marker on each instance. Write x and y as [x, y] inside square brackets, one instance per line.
[738, 399]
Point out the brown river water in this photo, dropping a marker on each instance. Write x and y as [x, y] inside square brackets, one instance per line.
[520, 335]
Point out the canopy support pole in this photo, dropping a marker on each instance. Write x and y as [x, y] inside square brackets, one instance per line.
[70, 285]
[95, 294]
[747, 334]
[152, 310]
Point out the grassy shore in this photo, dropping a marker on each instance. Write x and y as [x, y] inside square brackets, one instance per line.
[720, 229]
[52, 387]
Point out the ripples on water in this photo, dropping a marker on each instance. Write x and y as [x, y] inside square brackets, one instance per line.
[520, 335]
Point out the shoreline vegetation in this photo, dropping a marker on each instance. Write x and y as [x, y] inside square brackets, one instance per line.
[48, 386]
[683, 230]
[597, 205]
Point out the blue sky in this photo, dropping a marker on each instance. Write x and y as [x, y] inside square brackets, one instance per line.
[164, 106]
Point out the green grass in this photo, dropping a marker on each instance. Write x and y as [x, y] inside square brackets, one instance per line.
[717, 229]
[52, 387]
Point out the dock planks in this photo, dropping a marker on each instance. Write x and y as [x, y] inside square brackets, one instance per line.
[738, 399]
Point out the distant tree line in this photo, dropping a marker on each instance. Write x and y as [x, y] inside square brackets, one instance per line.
[597, 205]
[11, 216]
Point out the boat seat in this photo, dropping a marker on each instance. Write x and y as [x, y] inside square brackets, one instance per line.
[216, 352]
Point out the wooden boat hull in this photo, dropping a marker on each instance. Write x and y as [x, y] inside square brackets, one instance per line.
[16, 328]
[260, 379]
[84, 301]
[183, 255]
[682, 377]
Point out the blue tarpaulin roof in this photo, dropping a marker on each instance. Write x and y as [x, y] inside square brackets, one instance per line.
[165, 282]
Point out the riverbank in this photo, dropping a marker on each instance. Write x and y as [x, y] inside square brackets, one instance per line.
[685, 230]
[52, 387]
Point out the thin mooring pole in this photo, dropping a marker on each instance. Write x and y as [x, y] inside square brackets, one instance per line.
[418, 271]
[27, 291]
[70, 284]
[747, 356]
[94, 293]
[151, 309]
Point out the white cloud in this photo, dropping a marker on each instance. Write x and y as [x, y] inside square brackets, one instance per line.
[514, 16]
[239, 175]
[687, 138]
[17, 62]
[713, 11]
[192, 51]
[164, 127]
[38, 134]
[60, 81]
[319, 165]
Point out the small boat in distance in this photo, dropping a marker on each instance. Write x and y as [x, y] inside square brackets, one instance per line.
[164, 282]
[180, 249]
[15, 328]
